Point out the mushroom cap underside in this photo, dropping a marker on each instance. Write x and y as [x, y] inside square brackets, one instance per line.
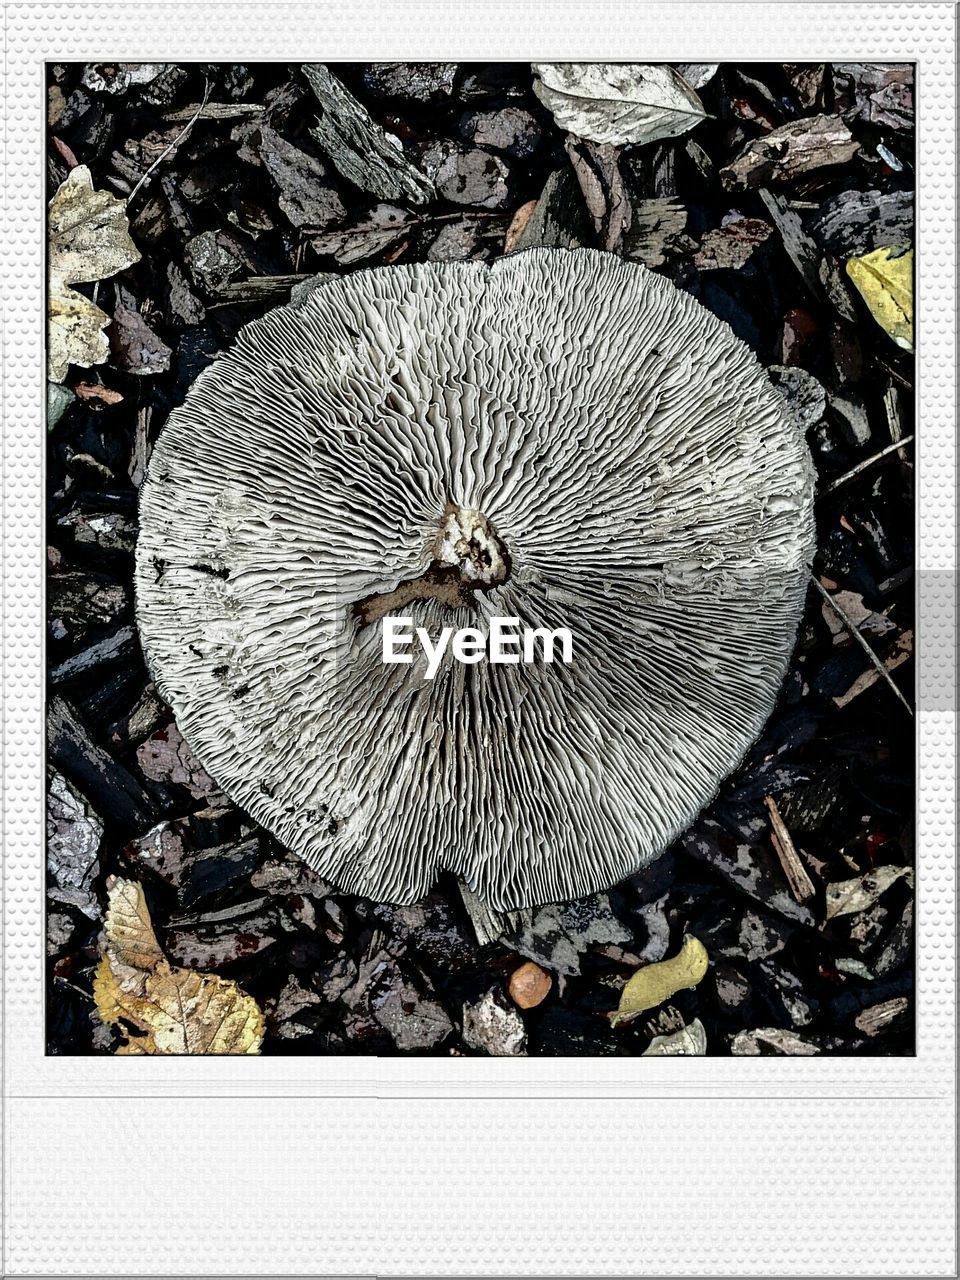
[564, 438]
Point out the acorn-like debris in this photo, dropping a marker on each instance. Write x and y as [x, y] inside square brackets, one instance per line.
[562, 437]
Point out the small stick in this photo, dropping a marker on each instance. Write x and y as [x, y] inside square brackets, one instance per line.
[801, 886]
[175, 143]
[891, 403]
[215, 111]
[867, 462]
[855, 632]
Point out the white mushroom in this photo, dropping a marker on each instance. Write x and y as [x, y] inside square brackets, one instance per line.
[564, 438]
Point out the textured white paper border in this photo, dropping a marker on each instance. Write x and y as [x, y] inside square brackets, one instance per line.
[420, 1167]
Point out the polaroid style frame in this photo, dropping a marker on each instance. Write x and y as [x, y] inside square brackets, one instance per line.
[467, 1166]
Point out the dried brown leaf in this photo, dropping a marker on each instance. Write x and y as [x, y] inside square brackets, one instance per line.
[173, 1010]
[89, 240]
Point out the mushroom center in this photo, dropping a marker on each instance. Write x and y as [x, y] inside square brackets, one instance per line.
[468, 557]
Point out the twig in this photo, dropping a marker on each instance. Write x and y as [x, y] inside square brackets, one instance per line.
[174, 144]
[855, 632]
[891, 403]
[215, 111]
[801, 886]
[65, 982]
[867, 462]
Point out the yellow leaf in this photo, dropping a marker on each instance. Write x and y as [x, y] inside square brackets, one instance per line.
[176, 1010]
[89, 239]
[655, 983]
[885, 280]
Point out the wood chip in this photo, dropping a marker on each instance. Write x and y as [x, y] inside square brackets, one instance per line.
[801, 146]
[801, 886]
[517, 224]
[728, 248]
[878, 1018]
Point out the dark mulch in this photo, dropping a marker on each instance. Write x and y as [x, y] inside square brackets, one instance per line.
[248, 202]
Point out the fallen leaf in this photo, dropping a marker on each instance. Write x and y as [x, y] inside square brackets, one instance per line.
[885, 281]
[697, 74]
[176, 1010]
[89, 239]
[654, 983]
[847, 897]
[59, 400]
[618, 102]
[689, 1041]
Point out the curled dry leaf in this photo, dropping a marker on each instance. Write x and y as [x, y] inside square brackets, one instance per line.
[885, 281]
[89, 239]
[688, 1041]
[176, 1010]
[655, 983]
[846, 897]
[618, 102]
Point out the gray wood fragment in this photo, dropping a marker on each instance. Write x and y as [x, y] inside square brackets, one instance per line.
[358, 148]
[259, 288]
[106, 784]
[878, 1018]
[109, 650]
[857, 222]
[653, 229]
[601, 181]
[559, 220]
[820, 273]
[488, 925]
[802, 146]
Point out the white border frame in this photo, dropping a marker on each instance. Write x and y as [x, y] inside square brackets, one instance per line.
[473, 1166]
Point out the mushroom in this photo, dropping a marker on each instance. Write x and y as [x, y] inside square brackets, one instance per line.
[562, 438]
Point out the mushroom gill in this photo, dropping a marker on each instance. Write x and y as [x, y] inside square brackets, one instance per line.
[563, 438]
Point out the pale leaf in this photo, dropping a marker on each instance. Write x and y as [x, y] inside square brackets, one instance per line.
[846, 897]
[618, 102]
[688, 1041]
[89, 239]
[655, 983]
[175, 1010]
[885, 280]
